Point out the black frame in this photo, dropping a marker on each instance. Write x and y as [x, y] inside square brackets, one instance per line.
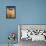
[9, 8]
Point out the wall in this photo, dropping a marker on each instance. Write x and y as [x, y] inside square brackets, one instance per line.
[27, 12]
[6, 25]
[31, 11]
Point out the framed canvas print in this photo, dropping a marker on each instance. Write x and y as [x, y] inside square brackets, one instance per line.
[32, 32]
[10, 12]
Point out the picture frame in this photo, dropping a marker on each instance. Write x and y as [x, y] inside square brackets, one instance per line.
[10, 12]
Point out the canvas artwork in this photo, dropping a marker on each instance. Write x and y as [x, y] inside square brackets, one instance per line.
[11, 12]
[33, 32]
